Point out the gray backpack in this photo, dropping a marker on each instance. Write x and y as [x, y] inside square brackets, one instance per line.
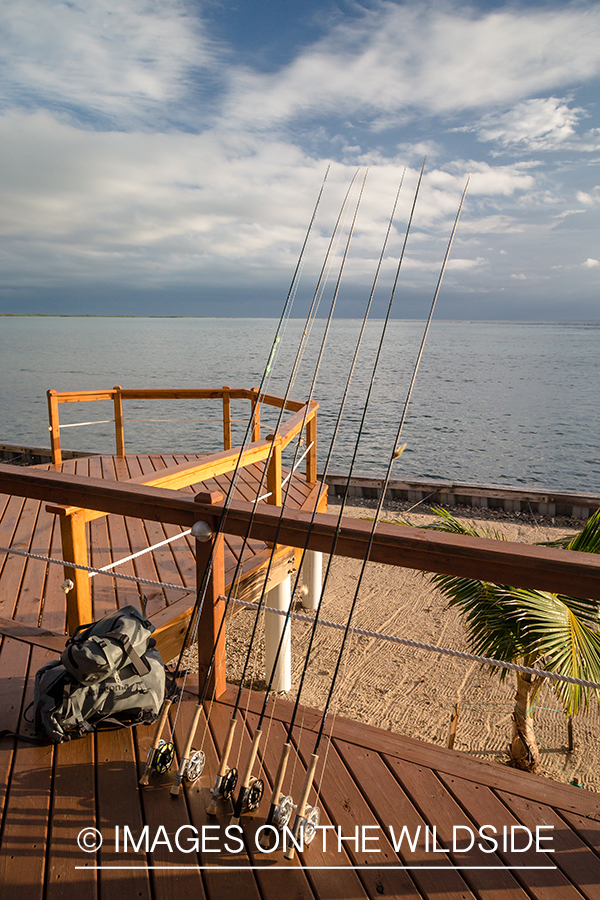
[96, 651]
[110, 675]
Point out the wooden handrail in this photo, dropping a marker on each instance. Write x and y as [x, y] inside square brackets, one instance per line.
[226, 394]
[74, 518]
[295, 424]
[502, 562]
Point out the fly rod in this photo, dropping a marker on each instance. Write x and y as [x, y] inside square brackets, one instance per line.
[226, 777]
[225, 781]
[161, 754]
[249, 795]
[282, 805]
[306, 817]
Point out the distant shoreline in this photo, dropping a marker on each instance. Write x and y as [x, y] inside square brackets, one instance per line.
[521, 322]
[99, 316]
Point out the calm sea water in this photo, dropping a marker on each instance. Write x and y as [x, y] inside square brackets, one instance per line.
[507, 403]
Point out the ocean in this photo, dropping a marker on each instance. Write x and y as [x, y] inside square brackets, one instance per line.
[508, 403]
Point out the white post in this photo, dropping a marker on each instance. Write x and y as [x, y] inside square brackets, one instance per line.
[312, 570]
[278, 597]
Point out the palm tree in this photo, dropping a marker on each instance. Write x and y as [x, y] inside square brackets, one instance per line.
[532, 628]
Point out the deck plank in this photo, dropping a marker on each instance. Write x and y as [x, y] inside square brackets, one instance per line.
[119, 804]
[395, 810]
[14, 664]
[437, 804]
[27, 808]
[15, 566]
[571, 853]
[54, 610]
[104, 597]
[483, 807]
[29, 601]
[71, 874]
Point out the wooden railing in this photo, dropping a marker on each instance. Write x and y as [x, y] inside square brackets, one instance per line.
[226, 394]
[73, 519]
[501, 562]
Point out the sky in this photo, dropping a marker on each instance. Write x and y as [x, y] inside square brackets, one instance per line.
[163, 157]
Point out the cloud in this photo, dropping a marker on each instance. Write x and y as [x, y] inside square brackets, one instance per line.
[591, 263]
[497, 224]
[591, 198]
[397, 61]
[135, 150]
[538, 124]
[569, 212]
[121, 61]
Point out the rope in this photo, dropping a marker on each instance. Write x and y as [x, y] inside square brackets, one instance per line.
[79, 424]
[419, 645]
[125, 559]
[405, 642]
[192, 421]
[71, 565]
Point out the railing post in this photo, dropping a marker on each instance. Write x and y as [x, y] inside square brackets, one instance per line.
[311, 456]
[226, 418]
[278, 597]
[213, 606]
[74, 549]
[119, 433]
[54, 427]
[274, 473]
[312, 575]
[255, 416]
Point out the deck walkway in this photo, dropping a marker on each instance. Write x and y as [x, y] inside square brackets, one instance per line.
[30, 591]
[373, 779]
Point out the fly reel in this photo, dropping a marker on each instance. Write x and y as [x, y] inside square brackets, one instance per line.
[195, 766]
[307, 826]
[304, 830]
[228, 784]
[283, 812]
[279, 816]
[255, 793]
[163, 757]
[313, 817]
[222, 789]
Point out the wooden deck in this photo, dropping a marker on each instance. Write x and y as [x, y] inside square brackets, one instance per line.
[373, 780]
[30, 591]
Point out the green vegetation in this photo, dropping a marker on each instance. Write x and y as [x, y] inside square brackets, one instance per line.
[531, 628]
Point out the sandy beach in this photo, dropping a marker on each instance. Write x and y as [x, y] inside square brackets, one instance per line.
[411, 691]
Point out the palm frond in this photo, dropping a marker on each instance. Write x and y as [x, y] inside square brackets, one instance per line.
[586, 541]
[492, 622]
[557, 628]
[550, 631]
[449, 523]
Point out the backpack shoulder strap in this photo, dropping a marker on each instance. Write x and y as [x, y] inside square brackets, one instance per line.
[140, 665]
